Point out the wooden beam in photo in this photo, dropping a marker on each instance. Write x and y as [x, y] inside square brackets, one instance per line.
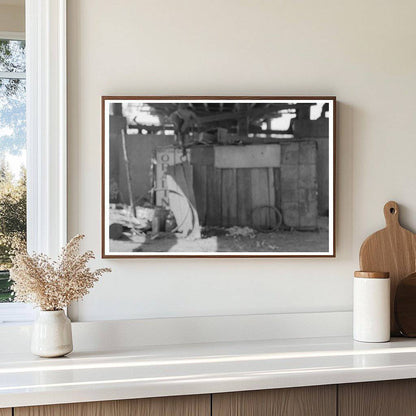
[252, 156]
[128, 173]
[260, 197]
[244, 197]
[252, 113]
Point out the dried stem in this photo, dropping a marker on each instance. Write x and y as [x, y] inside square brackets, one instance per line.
[53, 285]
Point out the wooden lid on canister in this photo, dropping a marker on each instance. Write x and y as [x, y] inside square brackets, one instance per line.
[372, 275]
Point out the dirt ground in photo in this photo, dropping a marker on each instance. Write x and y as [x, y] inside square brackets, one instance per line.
[221, 241]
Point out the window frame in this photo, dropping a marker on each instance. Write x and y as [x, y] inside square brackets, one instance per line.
[46, 127]
[12, 36]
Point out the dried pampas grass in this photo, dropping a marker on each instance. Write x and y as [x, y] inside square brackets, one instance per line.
[53, 285]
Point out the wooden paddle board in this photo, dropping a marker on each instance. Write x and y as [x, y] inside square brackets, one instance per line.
[392, 250]
[405, 306]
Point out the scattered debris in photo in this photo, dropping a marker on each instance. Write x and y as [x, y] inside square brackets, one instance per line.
[208, 177]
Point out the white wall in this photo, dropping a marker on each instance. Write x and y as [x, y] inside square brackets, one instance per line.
[361, 51]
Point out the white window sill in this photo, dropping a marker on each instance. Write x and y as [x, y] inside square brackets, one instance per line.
[16, 313]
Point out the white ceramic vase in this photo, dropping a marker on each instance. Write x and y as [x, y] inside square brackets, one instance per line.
[52, 334]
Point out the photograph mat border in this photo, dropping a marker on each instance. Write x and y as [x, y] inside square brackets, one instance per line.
[107, 100]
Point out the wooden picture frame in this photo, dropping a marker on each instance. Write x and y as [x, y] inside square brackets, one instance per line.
[270, 161]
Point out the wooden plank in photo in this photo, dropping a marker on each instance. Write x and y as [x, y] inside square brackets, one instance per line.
[244, 194]
[277, 188]
[229, 197]
[233, 198]
[308, 177]
[217, 195]
[323, 176]
[290, 154]
[260, 191]
[290, 213]
[308, 196]
[210, 180]
[213, 196]
[289, 182]
[224, 197]
[200, 190]
[251, 156]
[307, 209]
[308, 151]
[271, 195]
[202, 155]
[188, 173]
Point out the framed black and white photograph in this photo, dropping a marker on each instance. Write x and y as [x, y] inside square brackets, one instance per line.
[218, 176]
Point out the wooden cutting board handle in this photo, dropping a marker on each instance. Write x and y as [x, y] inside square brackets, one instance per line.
[391, 214]
[393, 250]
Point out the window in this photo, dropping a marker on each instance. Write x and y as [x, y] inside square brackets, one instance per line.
[12, 162]
[45, 124]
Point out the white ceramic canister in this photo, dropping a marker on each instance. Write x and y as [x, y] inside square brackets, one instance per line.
[52, 334]
[371, 307]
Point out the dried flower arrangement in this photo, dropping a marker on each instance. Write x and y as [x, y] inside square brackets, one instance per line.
[52, 285]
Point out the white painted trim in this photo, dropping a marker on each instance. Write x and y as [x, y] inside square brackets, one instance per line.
[12, 35]
[46, 124]
[96, 336]
[13, 75]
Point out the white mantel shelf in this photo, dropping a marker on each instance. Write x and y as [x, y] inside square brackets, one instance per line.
[200, 368]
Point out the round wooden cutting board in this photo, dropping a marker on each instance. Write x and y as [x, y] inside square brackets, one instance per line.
[392, 250]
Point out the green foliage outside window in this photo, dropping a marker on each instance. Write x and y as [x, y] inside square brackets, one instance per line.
[12, 145]
[12, 222]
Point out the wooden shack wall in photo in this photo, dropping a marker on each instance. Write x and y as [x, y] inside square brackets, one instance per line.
[241, 185]
[299, 185]
[323, 175]
[317, 130]
[230, 182]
